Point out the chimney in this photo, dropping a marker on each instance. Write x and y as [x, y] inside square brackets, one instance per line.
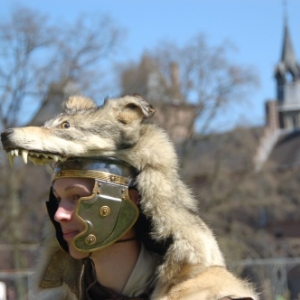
[175, 82]
[272, 115]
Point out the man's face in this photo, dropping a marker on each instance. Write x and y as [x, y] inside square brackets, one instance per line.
[68, 191]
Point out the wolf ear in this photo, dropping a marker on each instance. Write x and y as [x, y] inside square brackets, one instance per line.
[77, 103]
[145, 107]
[135, 108]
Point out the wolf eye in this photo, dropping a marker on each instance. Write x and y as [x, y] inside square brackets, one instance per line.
[65, 125]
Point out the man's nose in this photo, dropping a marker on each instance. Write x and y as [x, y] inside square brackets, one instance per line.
[62, 214]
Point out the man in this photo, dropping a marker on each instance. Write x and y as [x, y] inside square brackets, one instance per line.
[106, 248]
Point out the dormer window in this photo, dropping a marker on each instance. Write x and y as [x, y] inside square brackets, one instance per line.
[289, 77]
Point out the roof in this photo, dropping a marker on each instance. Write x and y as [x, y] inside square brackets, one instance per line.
[286, 152]
[233, 149]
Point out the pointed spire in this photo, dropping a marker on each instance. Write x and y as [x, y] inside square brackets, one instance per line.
[288, 55]
[288, 62]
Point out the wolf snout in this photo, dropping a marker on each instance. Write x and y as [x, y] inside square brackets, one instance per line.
[5, 134]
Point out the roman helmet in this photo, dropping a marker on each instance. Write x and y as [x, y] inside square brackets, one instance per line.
[108, 213]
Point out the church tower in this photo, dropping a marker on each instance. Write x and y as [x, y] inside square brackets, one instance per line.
[283, 113]
[287, 75]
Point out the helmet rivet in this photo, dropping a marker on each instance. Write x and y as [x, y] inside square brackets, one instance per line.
[104, 211]
[90, 239]
[112, 178]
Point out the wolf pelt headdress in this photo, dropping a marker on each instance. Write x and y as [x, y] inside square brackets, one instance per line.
[117, 129]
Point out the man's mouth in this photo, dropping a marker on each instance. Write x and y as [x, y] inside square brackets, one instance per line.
[70, 234]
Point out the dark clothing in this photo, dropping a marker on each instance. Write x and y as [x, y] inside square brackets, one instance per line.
[96, 291]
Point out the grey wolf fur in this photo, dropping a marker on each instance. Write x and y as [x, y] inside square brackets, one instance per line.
[117, 129]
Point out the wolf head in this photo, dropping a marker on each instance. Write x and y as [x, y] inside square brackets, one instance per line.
[81, 130]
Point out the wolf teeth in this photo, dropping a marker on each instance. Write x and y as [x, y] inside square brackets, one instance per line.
[14, 152]
[11, 159]
[36, 158]
[39, 161]
[55, 158]
[25, 156]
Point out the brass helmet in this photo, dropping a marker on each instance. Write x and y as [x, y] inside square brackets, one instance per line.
[108, 213]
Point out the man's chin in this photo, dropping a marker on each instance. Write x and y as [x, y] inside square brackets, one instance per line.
[76, 253]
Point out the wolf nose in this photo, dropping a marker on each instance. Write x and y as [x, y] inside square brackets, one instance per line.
[5, 134]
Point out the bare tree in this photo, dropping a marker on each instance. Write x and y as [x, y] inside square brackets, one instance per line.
[41, 62]
[36, 54]
[195, 74]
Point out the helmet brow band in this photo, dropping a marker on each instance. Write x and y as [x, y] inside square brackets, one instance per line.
[90, 174]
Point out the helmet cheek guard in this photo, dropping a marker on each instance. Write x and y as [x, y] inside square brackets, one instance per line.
[108, 213]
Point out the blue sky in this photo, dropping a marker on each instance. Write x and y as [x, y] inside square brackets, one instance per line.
[255, 27]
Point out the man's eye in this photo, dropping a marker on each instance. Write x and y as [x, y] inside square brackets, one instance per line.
[76, 197]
